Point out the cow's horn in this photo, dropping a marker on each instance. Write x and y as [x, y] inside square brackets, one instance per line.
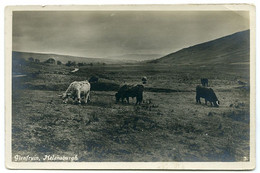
[218, 103]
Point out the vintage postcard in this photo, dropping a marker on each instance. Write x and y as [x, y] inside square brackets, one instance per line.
[144, 87]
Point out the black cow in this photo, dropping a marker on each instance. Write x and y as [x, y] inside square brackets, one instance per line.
[127, 91]
[93, 79]
[144, 80]
[204, 82]
[208, 94]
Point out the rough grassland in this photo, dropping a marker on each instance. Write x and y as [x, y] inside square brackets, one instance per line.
[168, 126]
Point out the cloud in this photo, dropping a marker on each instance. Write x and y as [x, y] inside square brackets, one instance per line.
[108, 33]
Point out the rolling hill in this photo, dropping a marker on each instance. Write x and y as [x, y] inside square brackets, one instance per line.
[233, 48]
[135, 57]
[65, 58]
[230, 49]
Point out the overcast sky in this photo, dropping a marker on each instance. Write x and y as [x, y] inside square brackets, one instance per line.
[103, 34]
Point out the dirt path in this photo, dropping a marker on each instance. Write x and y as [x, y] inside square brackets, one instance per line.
[73, 71]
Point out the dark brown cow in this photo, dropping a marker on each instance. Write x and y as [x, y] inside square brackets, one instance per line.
[208, 94]
[127, 91]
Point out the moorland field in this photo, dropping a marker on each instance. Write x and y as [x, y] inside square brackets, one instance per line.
[167, 126]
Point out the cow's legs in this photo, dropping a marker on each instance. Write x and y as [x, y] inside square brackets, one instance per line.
[198, 100]
[87, 97]
[78, 96]
[84, 98]
[139, 99]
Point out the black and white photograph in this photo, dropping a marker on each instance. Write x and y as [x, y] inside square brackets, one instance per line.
[130, 87]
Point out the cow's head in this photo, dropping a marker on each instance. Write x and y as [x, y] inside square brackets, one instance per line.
[64, 97]
[213, 98]
[217, 103]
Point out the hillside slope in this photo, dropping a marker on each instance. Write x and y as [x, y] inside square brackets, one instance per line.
[229, 49]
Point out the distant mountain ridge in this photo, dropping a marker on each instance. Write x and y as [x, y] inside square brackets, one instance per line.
[234, 48]
[135, 57]
[64, 58]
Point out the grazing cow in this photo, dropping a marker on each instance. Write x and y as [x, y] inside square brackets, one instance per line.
[204, 82]
[241, 82]
[127, 91]
[144, 80]
[93, 79]
[208, 94]
[77, 89]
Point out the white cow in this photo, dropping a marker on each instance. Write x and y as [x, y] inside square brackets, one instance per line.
[77, 89]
